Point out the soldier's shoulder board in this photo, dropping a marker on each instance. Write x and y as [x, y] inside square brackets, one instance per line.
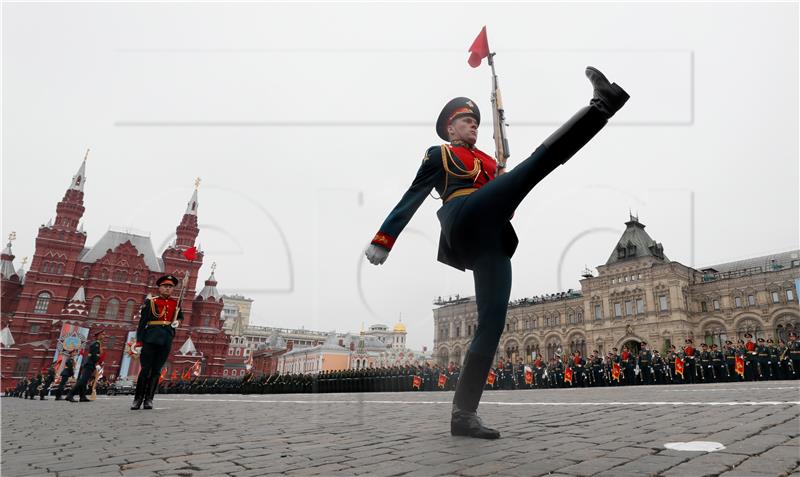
[433, 152]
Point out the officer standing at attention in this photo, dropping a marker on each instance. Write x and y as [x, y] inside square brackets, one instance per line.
[160, 317]
[478, 202]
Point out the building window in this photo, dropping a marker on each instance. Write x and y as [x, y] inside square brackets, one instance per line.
[85, 272]
[628, 308]
[238, 351]
[662, 303]
[751, 300]
[224, 372]
[703, 306]
[42, 302]
[95, 308]
[35, 328]
[598, 312]
[129, 306]
[776, 298]
[738, 301]
[617, 310]
[112, 309]
[640, 306]
[716, 304]
[206, 321]
[21, 369]
[789, 295]
[458, 331]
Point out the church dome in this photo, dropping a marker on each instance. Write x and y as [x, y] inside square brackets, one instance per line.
[400, 328]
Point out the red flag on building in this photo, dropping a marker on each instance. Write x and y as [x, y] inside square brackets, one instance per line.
[568, 376]
[616, 371]
[490, 379]
[479, 49]
[740, 366]
[442, 381]
[528, 375]
[190, 253]
[679, 366]
[162, 375]
[417, 382]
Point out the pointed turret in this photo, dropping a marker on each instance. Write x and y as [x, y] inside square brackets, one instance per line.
[7, 260]
[210, 288]
[187, 231]
[635, 243]
[70, 210]
[21, 270]
[80, 177]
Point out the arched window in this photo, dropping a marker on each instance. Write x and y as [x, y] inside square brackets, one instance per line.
[95, 308]
[21, 369]
[749, 326]
[60, 269]
[85, 272]
[42, 302]
[224, 372]
[129, 307]
[715, 334]
[112, 309]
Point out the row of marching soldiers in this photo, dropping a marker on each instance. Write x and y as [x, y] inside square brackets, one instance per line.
[743, 361]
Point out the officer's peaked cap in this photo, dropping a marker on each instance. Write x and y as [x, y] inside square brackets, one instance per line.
[454, 109]
[167, 278]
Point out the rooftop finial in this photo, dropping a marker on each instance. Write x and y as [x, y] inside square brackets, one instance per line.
[86, 156]
[24, 261]
[197, 183]
[213, 266]
[11, 237]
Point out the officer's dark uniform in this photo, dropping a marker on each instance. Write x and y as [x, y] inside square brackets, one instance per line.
[659, 368]
[87, 370]
[476, 229]
[48, 380]
[645, 361]
[154, 335]
[66, 373]
[751, 372]
[718, 364]
[33, 386]
[730, 361]
[762, 353]
[689, 365]
[705, 365]
[629, 364]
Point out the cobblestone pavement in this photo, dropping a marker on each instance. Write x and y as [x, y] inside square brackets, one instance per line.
[605, 432]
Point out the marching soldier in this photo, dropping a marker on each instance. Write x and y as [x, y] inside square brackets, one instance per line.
[48, 380]
[773, 359]
[597, 369]
[751, 371]
[762, 354]
[628, 364]
[33, 386]
[705, 364]
[87, 368]
[730, 361]
[659, 368]
[689, 365]
[784, 363]
[160, 317]
[645, 361]
[66, 373]
[478, 201]
[718, 363]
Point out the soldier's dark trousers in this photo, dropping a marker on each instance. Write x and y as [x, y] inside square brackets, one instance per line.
[60, 388]
[83, 379]
[152, 359]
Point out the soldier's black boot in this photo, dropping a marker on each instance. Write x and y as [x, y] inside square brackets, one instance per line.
[150, 392]
[607, 99]
[464, 420]
[141, 392]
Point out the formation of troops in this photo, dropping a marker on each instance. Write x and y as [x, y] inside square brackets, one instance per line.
[736, 362]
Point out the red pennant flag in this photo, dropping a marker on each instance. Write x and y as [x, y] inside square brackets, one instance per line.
[186, 374]
[442, 381]
[528, 375]
[740, 366]
[163, 375]
[568, 376]
[679, 366]
[616, 371]
[174, 376]
[190, 253]
[479, 49]
[492, 376]
[417, 382]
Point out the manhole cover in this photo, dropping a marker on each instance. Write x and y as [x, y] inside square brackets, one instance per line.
[695, 446]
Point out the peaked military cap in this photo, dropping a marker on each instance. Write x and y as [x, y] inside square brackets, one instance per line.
[748, 335]
[761, 340]
[688, 340]
[454, 109]
[167, 278]
[644, 343]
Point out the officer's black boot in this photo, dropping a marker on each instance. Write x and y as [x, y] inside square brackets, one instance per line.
[140, 393]
[150, 392]
[608, 98]
[465, 420]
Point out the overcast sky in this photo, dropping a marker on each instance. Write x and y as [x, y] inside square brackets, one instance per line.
[308, 122]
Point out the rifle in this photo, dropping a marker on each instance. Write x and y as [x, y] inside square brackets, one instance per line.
[501, 151]
[184, 282]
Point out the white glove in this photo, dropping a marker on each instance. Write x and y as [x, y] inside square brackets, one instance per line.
[175, 323]
[376, 255]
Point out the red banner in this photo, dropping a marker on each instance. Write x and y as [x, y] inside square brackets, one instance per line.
[679, 366]
[442, 381]
[568, 376]
[417, 382]
[163, 375]
[740, 366]
[616, 371]
[490, 379]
